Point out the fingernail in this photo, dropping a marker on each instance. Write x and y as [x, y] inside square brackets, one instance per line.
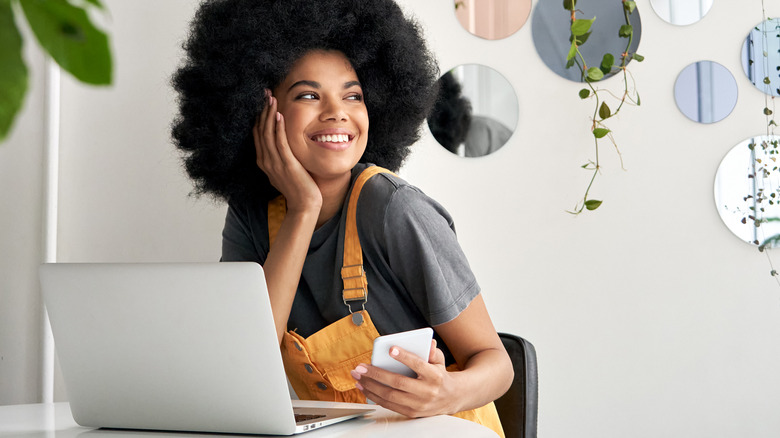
[278, 116]
[358, 386]
[355, 375]
[361, 369]
[393, 352]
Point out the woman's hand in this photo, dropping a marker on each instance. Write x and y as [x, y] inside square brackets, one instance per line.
[275, 158]
[485, 370]
[433, 392]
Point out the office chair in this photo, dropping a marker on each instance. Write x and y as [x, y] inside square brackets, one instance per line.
[518, 408]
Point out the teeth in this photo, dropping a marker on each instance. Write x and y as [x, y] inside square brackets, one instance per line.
[334, 138]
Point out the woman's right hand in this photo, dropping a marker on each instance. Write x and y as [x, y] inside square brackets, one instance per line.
[275, 158]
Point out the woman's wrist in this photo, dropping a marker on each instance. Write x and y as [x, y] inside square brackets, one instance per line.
[304, 209]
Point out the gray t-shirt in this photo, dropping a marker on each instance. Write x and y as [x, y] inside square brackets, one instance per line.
[417, 273]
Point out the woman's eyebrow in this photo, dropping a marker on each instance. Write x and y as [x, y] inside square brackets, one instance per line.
[315, 84]
[312, 84]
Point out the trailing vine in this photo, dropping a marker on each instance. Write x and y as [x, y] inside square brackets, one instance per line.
[580, 31]
[770, 148]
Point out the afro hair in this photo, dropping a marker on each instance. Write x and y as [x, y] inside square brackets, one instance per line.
[238, 48]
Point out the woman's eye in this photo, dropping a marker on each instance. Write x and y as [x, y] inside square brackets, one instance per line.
[355, 97]
[307, 96]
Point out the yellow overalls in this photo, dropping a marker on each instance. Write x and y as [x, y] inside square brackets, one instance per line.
[319, 366]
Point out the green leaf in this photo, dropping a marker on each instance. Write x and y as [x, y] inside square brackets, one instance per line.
[767, 81]
[607, 62]
[572, 51]
[569, 5]
[13, 73]
[581, 39]
[630, 5]
[767, 111]
[99, 5]
[626, 31]
[581, 26]
[604, 111]
[71, 39]
[584, 93]
[638, 57]
[595, 74]
[638, 99]
[592, 204]
[600, 132]
[569, 63]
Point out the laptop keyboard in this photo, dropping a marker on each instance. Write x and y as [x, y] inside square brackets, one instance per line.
[307, 417]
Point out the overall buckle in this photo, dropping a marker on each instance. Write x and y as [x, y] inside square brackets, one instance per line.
[355, 289]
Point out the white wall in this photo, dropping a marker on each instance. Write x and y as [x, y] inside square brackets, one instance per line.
[648, 315]
[21, 214]
[123, 195]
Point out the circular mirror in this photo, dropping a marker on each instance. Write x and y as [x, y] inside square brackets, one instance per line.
[706, 92]
[681, 12]
[492, 19]
[551, 31]
[476, 111]
[747, 191]
[761, 56]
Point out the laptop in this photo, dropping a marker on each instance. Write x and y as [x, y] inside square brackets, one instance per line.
[176, 347]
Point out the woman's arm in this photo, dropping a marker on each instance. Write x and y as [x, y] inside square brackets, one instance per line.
[284, 262]
[486, 371]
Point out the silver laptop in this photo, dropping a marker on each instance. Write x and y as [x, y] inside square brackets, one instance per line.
[184, 347]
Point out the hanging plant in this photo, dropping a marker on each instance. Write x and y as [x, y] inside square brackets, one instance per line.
[65, 32]
[769, 150]
[591, 74]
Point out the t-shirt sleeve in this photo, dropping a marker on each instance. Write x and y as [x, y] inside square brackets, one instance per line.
[238, 239]
[423, 251]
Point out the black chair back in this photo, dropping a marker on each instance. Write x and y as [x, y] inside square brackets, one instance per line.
[518, 408]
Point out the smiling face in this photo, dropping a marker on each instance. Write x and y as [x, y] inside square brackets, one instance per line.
[325, 117]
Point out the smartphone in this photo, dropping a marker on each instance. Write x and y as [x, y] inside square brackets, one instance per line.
[417, 342]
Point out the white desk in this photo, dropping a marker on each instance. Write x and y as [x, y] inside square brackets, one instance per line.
[55, 421]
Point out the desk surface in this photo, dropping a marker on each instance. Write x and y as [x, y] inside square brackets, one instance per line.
[55, 420]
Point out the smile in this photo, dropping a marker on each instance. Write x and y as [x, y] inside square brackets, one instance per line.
[334, 138]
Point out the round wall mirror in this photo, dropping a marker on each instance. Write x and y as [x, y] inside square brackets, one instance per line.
[706, 92]
[761, 56]
[681, 12]
[476, 112]
[747, 191]
[492, 19]
[551, 31]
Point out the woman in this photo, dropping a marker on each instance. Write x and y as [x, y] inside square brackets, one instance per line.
[322, 75]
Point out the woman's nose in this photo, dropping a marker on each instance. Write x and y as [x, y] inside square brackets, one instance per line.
[334, 110]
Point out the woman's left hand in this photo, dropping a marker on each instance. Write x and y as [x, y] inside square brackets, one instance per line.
[433, 392]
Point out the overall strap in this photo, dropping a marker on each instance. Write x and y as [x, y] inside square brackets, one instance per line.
[277, 209]
[353, 275]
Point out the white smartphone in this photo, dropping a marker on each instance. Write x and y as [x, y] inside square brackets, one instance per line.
[417, 342]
